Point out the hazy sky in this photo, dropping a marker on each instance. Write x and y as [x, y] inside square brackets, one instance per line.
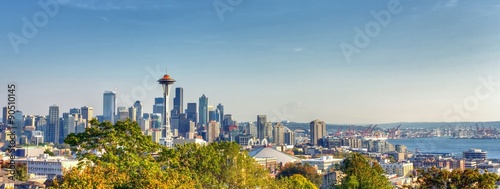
[279, 58]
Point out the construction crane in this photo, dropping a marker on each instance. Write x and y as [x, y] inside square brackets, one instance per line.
[371, 131]
[365, 132]
[392, 132]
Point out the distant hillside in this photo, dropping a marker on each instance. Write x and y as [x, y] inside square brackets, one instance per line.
[404, 125]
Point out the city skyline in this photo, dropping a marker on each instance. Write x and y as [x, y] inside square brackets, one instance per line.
[286, 64]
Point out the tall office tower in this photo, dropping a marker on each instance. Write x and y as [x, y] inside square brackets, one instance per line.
[122, 113]
[279, 134]
[191, 112]
[146, 116]
[261, 121]
[41, 124]
[212, 114]
[145, 124]
[132, 113]
[227, 121]
[64, 131]
[159, 106]
[74, 111]
[184, 125]
[213, 131]
[251, 129]
[166, 82]
[61, 122]
[289, 137]
[53, 129]
[203, 110]
[18, 123]
[220, 112]
[4, 115]
[69, 124]
[87, 113]
[317, 130]
[109, 106]
[178, 102]
[192, 130]
[156, 120]
[174, 123]
[138, 110]
[268, 132]
[80, 126]
[29, 120]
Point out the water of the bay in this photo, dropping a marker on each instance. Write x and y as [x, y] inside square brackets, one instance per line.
[447, 145]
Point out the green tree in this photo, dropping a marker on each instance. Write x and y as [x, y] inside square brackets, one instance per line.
[306, 170]
[296, 181]
[127, 155]
[21, 172]
[128, 158]
[220, 165]
[464, 179]
[363, 173]
[47, 151]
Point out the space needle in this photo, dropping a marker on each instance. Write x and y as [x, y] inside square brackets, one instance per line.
[166, 81]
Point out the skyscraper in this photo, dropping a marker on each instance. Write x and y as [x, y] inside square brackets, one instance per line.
[53, 129]
[132, 113]
[317, 130]
[138, 110]
[268, 132]
[203, 110]
[213, 131]
[122, 113]
[289, 137]
[251, 129]
[178, 102]
[220, 112]
[279, 134]
[191, 112]
[159, 106]
[212, 114]
[74, 111]
[261, 121]
[18, 123]
[109, 106]
[87, 113]
[68, 126]
[227, 121]
[4, 115]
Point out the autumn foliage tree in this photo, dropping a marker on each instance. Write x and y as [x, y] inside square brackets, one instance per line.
[307, 171]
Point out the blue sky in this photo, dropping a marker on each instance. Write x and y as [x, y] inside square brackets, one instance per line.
[280, 58]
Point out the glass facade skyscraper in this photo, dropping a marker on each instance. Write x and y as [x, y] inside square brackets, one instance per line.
[53, 129]
[109, 106]
[261, 122]
[138, 110]
[203, 110]
[178, 102]
[191, 112]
